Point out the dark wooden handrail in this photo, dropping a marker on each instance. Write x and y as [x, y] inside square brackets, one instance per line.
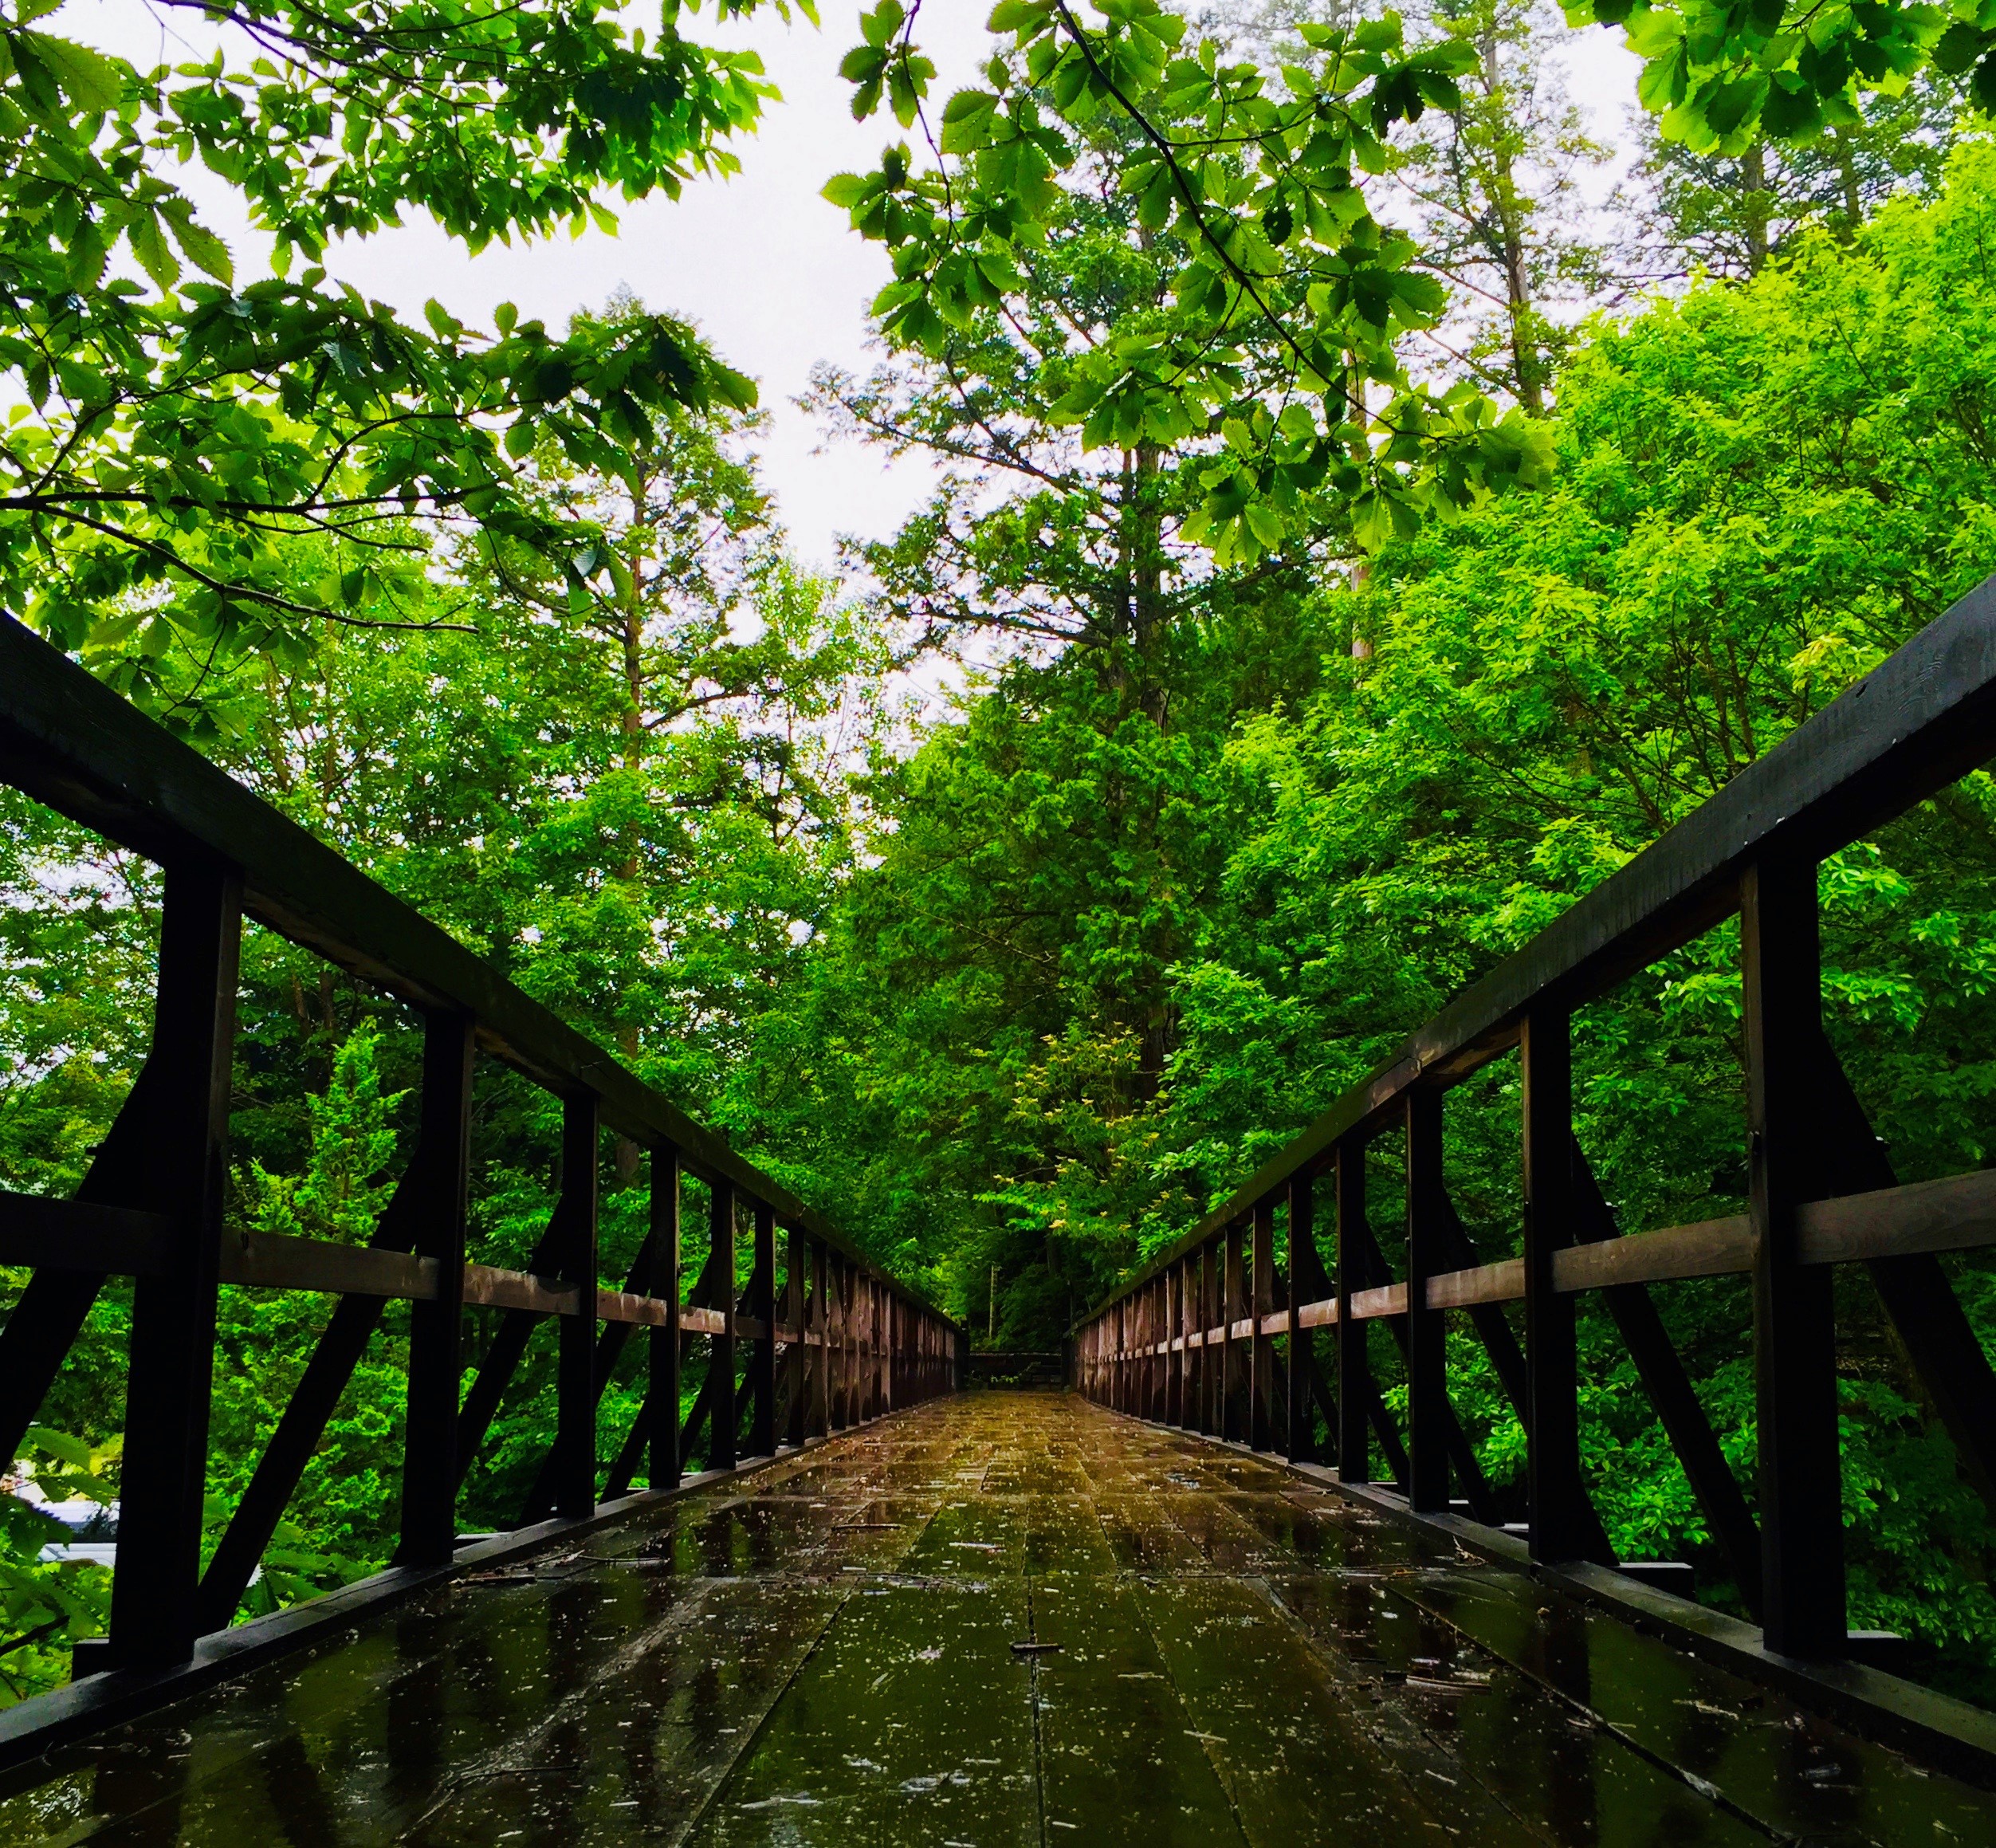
[1206, 1335]
[842, 1342]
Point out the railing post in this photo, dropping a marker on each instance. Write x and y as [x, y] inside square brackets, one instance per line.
[1794, 1319]
[1427, 1328]
[720, 1348]
[798, 1421]
[835, 1418]
[662, 1373]
[1202, 1407]
[1174, 1355]
[869, 1347]
[864, 1348]
[1557, 1506]
[891, 1380]
[821, 1321]
[1117, 1342]
[762, 1352]
[1188, 1325]
[1140, 1367]
[1137, 1367]
[171, 1348]
[575, 1258]
[1147, 1370]
[1235, 1380]
[848, 1295]
[1261, 1345]
[429, 1470]
[1354, 1365]
[1299, 1420]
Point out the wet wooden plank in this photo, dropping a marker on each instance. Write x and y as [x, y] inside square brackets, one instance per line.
[1111, 1724]
[823, 1653]
[911, 1724]
[1796, 1776]
[1305, 1766]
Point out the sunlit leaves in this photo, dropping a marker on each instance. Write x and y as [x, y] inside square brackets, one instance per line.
[1282, 280]
[185, 426]
[883, 64]
[1722, 73]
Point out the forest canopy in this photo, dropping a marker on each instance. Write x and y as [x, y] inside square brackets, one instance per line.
[1362, 520]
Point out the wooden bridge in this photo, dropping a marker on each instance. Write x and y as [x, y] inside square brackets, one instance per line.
[1001, 1620]
[855, 1604]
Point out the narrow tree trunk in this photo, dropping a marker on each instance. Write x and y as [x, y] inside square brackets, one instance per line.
[1754, 206]
[1509, 208]
[1846, 172]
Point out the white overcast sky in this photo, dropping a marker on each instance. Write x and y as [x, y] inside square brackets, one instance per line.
[765, 266]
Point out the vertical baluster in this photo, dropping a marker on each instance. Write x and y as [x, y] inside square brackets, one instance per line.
[720, 1348]
[575, 1260]
[1300, 1417]
[171, 1350]
[821, 1322]
[798, 1376]
[1354, 1366]
[1558, 1508]
[848, 1334]
[1209, 1424]
[1146, 1373]
[1261, 1346]
[1235, 1380]
[443, 1148]
[1190, 1317]
[869, 1345]
[661, 1371]
[890, 1349]
[1427, 1328]
[762, 1352]
[1794, 1319]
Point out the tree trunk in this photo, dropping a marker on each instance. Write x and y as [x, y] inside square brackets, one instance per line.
[1754, 206]
[1508, 208]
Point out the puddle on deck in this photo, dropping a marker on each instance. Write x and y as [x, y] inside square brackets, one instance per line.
[828, 1653]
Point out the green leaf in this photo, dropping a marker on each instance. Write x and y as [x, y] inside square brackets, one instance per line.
[880, 26]
[60, 1445]
[91, 82]
[202, 247]
[149, 246]
[1959, 48]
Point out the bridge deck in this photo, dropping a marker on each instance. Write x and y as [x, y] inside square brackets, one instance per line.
[828, 1652]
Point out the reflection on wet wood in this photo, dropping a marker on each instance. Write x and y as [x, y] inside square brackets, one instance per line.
[1006, 1618]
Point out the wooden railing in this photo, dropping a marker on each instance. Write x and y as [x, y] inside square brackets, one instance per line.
[840, 1342]
[1209, 1337]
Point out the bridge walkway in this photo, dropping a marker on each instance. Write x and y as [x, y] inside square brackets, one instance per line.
[997, 1618]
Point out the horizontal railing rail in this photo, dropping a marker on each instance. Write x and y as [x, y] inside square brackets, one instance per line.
[1210, 1336]
[819, 1339]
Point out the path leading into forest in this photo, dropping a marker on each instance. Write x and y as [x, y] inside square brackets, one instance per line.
[998, 1618]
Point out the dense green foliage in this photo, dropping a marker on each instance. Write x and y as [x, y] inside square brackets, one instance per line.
[1247, 767]
[168, 447]
[1108, 960]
